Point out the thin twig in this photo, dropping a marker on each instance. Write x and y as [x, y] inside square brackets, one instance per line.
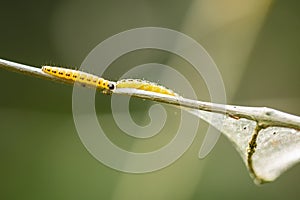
[29, 70]
[264, 116]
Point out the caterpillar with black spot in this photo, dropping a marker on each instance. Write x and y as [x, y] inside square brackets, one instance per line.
[80, 77]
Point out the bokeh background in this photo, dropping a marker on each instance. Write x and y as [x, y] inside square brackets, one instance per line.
[255, 44]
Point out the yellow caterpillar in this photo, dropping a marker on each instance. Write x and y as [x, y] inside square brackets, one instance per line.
[81, 77]
[144, 85]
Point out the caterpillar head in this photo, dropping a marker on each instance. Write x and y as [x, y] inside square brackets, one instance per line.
[111, 86]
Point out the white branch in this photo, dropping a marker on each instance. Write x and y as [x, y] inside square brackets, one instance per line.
[264, 116]
[259, 119]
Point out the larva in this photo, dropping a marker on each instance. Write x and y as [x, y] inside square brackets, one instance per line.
[81, 77]
[144, 85]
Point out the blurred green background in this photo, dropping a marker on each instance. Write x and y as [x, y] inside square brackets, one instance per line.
[255, 44]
